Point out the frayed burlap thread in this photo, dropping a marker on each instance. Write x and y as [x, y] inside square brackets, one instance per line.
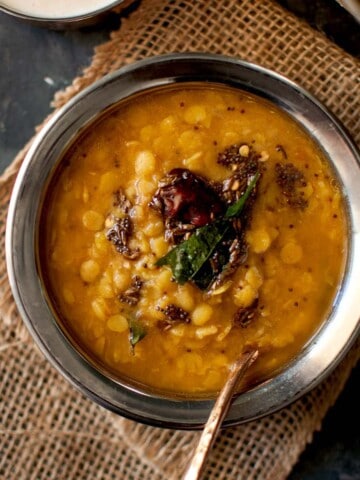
[51, 431]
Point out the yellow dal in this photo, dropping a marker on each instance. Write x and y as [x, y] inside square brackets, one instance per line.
[295, 262]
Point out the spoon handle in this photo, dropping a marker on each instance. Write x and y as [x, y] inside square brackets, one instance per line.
[218, 414]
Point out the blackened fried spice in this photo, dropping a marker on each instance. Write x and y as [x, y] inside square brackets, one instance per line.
[244, 316]
[131, 296]
[119, 235]
[121, 229]
[173, 314]
[291, 180]
[243, 161]
[231, 157]
[185, 201]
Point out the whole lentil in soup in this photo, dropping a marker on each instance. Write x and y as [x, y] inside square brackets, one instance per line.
[161, 173]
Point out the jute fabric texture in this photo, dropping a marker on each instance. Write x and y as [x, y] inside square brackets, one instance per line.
[49, 430]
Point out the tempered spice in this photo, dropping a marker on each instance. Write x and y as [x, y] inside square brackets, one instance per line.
[120, 232]
[291, 180]
[244, 316]
[131, 296]
[173, 314]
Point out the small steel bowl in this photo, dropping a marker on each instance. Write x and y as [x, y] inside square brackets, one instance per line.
[60, 22]
[352, 6]
[321, 353]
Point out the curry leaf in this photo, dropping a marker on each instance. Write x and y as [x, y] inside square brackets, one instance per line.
[187, 258]
[236, 208]
[137, 331]
[190, 257]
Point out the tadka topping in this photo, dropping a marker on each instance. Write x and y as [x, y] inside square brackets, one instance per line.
[186, 201]
[205, 254]
[207, 222]
[244, 316]
[131, 296]
[121, 229]
[291, 180]
[239, 156]
[173, 314]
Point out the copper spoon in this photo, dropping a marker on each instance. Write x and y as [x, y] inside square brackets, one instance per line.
[218, 414]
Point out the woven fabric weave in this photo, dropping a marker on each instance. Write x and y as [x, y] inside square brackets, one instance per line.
[49, 430]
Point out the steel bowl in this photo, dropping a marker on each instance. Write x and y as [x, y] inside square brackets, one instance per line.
[321, 353]
[59, 22]
[352, 6]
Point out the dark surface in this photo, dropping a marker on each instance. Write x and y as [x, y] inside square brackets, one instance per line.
[334, 453]
[35, 63]
[330, 18]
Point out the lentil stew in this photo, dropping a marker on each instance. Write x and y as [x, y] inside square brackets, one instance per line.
[141, 183]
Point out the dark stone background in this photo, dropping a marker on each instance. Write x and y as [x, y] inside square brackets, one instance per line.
[35, 63]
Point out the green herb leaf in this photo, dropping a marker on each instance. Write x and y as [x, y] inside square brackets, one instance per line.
[137, 331]
[236, 208]
[189, 260]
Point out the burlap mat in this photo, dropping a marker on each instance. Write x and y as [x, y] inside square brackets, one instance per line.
[49, 430]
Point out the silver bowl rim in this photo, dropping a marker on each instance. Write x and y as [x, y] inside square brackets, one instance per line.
[352, 6]
[323, 351]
